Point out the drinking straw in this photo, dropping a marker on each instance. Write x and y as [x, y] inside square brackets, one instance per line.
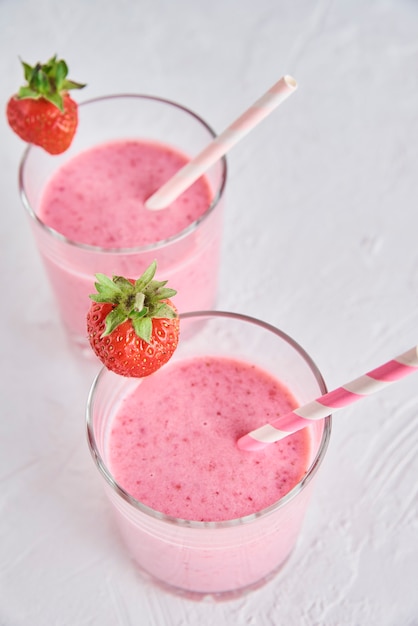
[188, 174]
[365, 385]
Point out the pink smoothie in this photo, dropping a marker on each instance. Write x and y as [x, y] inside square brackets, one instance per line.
[97, 198]
[173, 441]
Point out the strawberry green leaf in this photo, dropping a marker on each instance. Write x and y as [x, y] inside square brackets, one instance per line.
[136, 315]
[97, 297]
[108, 295]
[143, 328]
[28, 71]
[56, 99]
[71, 84]
[164, 311]
[114, 319]
[146, 277]
[40, 82]
[27, 92]
[107, 290]
[104, 283]
[165, 293]
[61, 71]
[122, 283]
[156, 284]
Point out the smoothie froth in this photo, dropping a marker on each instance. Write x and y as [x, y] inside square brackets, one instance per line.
[173, 441]
[97, 198]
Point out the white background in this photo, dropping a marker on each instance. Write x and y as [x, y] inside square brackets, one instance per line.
[320, 239]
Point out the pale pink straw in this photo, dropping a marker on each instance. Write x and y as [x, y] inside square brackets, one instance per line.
[357, 389]
[188, 174]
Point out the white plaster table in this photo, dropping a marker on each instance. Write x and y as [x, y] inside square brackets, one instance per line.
[320, 239]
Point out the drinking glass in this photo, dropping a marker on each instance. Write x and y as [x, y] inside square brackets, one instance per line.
[189, 260]
[220, 558]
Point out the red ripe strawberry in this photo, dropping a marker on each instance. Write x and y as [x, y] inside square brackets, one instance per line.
[42, 112]
[133, 326]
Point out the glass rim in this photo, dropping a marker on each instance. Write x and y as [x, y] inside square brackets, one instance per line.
[135, 249]
[143, 508]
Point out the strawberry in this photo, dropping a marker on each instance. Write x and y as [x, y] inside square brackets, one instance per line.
[133, 326]
[42, 112]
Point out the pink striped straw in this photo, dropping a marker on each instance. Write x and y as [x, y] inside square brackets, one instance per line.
[357, 389]
[188, 174]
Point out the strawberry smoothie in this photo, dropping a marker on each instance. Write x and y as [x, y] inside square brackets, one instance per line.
[195, 512]
[98, 197]
[212, 401]
[87, 205]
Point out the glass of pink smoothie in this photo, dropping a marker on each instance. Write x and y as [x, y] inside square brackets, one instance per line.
[86, 206]
[197, 513]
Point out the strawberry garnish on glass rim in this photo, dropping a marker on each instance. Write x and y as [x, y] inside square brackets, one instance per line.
[42, 112]
[133, 327]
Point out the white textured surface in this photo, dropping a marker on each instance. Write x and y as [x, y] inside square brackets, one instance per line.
[320, 239]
